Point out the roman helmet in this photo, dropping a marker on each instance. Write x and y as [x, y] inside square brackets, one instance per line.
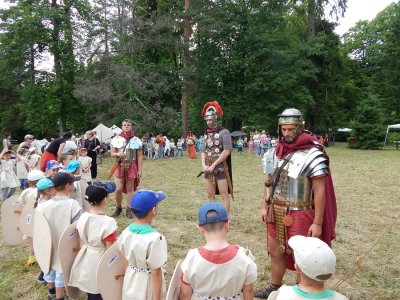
[291, 116]
[211, 111]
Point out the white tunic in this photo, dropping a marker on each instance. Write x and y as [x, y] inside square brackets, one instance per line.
[28, 196]
[59, 213]
[85, 162]
[22, 168]
[218, 279]
[93, 229]
[8, 177]
[143, 252]
[34, 161]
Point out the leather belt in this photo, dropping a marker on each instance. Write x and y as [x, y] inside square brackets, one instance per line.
[296, 205]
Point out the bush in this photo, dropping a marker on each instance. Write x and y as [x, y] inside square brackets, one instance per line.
[368, 129]
[392, 137]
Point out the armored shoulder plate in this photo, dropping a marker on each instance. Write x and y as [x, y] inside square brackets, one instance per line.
[316, 164]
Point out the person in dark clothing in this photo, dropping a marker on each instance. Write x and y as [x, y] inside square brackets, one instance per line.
[93, 146]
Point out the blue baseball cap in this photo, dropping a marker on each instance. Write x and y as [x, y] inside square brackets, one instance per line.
[72, 166]
[220, 214]
[44, 184]
[144, 200]
[52, 164]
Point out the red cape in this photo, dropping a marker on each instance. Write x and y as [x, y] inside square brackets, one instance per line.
[307, 140]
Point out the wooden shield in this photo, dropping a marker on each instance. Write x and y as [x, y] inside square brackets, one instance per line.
[175, 283]
[42, 242]
[110, 273]
[68, 248]
[10, 215]
[27, 217]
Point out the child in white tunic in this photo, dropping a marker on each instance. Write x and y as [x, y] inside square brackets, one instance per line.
[315, 263]
[86, 163]
[60, 212]
[28, 197]
[23, 169]
[145, 250]
[45, 191]
[217, 270]
[93, 242]
[74, 167]
[33, 159]
[9, 181]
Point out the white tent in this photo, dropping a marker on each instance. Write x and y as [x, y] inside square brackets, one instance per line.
[395, 126]
[116, 129]
[103, 133]
[39, 144]
[344, 130]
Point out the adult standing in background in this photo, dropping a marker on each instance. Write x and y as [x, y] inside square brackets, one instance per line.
[257, 142]
[191, 146]
[92, 145]
[127, 148]
[216, 156]
[27, 143]
[263, 143]
[6, 141]
[160, 143]
[54, 150]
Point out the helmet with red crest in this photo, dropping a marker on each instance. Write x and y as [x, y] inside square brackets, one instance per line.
[211, 111]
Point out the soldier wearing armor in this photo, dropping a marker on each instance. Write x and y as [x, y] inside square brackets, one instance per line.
[216, 156]
[298, 197]
[127, 148]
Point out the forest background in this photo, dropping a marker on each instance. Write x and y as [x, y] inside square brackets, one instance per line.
[158, 61]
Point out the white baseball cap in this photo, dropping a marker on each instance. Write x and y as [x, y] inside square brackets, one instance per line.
[313, 256]
[35, 175]
[31, 149]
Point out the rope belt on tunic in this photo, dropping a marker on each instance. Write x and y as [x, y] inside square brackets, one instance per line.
[217, 297]
[135, 269]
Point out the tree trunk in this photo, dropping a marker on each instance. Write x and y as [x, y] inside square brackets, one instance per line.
[55, 49]
[312, 16]
[185, 79]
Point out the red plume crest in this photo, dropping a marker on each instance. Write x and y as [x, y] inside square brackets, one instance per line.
[213, 105]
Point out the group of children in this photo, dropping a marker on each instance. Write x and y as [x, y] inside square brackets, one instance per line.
[27, 160]
[216, 270]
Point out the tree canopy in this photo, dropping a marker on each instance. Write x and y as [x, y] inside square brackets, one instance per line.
[148, 59]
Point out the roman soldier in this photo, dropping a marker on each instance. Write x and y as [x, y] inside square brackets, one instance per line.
[216, 155]
[299, 198]
[127, 148]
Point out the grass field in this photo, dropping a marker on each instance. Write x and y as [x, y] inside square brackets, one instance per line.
[368, 197]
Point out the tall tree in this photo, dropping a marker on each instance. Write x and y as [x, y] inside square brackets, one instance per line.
[187, 32]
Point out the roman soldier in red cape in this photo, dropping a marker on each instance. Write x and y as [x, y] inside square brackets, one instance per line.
[299, 198]
[127, 148]
[216, 155]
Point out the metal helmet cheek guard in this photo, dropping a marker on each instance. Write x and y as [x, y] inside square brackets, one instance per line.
[291, 116]
[211, 111]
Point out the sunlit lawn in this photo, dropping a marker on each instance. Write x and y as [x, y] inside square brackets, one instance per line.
[368, 196]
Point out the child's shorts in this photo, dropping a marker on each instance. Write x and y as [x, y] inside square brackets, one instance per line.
[54, 276]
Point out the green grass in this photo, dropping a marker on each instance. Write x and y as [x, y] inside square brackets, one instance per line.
[368, 197]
